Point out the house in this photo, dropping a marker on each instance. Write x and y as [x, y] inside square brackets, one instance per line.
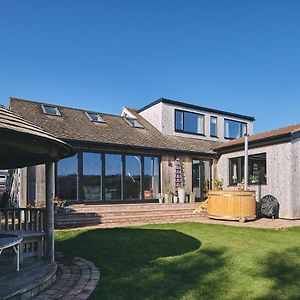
[131, 157]
[274, 166]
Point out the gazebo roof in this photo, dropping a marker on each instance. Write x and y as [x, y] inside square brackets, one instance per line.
[24, 144]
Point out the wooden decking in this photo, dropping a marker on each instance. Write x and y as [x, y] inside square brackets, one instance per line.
[110, 215]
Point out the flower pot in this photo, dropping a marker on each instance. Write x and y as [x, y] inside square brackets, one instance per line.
[175, 199]
[181, 195]
[168, 198]
[192, 197]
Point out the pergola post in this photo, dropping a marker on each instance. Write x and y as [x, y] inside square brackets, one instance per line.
[50, 191]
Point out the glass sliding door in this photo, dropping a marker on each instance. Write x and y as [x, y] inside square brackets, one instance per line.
[151, 177]
[91, 177]
[132, 177]
[113, 177]
[67, 178]
[201, 178]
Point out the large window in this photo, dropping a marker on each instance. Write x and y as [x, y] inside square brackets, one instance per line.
[104, 177]
[213, 126]
[67, 178]
[113, 177]
[257, 167]
[91, 178]
[151, 177]
[234, 129]
[133, 177]
[189, 122]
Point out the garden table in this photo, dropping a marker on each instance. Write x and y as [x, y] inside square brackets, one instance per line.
[10, 241]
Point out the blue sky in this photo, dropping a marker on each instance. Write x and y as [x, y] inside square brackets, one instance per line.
[240, 56]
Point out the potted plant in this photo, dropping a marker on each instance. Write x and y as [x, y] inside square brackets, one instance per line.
[169, 195]
[192, 197]
[218, 184]
[253, 179]
[60, 205]
[161, 198]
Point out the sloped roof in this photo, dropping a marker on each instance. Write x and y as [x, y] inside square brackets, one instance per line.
[22, 143]
[267, 136]
[74, 125]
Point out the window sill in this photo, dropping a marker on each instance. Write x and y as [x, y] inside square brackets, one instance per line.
[187, 132]
[249, 184]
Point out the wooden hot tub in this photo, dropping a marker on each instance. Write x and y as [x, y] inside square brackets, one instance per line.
[232, 205]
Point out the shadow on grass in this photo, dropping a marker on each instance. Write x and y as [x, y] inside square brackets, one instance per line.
[148, 264]
[283, 269]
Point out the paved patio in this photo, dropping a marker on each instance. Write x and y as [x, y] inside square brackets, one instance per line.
[258, 223]
[76, 279]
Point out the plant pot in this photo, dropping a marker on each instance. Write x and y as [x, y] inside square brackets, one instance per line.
[161, 199]
[175, 199]
[168, 198]
[181, 195]
[192, 197]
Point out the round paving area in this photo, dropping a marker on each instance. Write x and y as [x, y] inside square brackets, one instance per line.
[76, 278]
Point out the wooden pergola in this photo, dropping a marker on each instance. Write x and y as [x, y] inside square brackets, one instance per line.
[24, 144]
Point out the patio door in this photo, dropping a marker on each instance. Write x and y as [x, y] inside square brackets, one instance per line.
[201, 178]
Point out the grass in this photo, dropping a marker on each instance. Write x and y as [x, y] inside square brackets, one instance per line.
[190, 261]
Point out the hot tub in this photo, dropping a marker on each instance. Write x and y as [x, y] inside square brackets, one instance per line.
[232, 205]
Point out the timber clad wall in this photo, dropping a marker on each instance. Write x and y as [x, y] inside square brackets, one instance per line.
[282, 172]
[295, 180]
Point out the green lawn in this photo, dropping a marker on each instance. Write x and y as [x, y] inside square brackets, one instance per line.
[190, 261]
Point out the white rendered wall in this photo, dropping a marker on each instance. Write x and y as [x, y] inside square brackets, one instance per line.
[162, 116]
[153, 115]
[280, 170]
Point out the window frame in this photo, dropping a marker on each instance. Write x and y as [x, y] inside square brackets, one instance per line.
[99, 118]
[216, 118]
[240, 169]
[57, 111]
[127, 119]
[183, 112]
[240, 128]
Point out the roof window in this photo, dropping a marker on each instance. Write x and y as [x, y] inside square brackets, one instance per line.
[95, 117]
[134, 122]
[51, 110]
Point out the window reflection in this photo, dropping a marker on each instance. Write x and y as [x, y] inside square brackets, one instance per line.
[91, 176]
[189, 122]
[234, 129]
[113, 171]
[133, 177]
[67, 178]
[151, 178]
[213, 126]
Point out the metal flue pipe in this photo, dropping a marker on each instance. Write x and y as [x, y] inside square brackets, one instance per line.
[246, 163]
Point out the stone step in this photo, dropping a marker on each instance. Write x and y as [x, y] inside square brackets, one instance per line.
[128, 219]
[128, 207]
[106, 214]
[121, 213]
[123, 221]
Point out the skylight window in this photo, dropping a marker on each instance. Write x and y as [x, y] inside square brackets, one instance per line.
[134, 123]
[51, 110]
[95, 117]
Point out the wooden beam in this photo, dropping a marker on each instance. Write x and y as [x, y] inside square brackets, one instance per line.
[50, 190]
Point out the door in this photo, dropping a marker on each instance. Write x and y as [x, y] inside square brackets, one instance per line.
[201, 178]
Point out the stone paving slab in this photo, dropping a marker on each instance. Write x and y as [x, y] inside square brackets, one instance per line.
[258, 223]
[76, 278]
